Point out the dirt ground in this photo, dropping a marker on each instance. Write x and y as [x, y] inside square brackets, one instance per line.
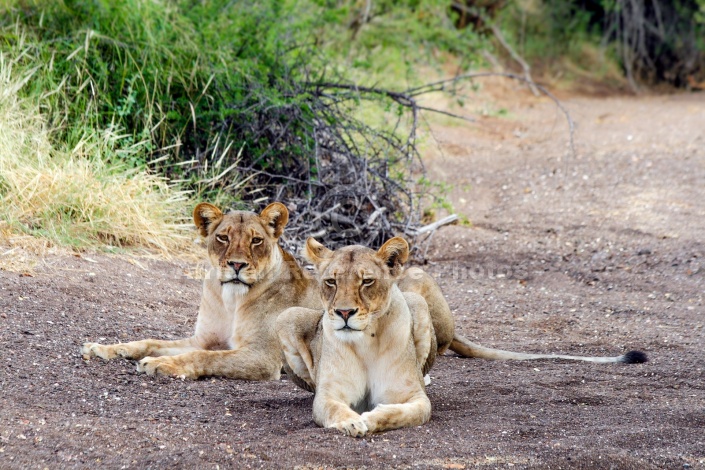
[597, 254]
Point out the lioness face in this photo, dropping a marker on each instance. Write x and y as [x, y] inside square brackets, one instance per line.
[355, 283]
[242, 246]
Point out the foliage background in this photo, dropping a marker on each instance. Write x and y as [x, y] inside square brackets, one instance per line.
[244, 102]
[652, 42]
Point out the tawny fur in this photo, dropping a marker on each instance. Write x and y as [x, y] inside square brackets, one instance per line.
[366, 369]
[353, 371]
[234, 334]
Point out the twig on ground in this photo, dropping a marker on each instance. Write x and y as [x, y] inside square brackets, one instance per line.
[437, 224]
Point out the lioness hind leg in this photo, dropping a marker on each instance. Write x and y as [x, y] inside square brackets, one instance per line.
[297, 329]
[385, 417]
[420, 282]
[423, 332]
[137, 350]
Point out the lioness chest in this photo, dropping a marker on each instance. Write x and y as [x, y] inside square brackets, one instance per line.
[379, 369]
[232, 320]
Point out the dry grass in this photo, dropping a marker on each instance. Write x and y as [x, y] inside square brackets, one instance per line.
[75, 196]
[22, 253]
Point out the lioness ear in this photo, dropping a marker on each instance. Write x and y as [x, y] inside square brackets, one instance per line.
[394, 253]
[275, 216]
[205, 216]
[316, 253]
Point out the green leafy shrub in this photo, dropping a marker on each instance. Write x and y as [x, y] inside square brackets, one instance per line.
[239, 100]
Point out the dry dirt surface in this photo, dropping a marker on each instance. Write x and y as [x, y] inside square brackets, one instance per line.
[596, 253]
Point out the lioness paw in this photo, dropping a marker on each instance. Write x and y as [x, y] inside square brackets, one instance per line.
[165, 366]
[90, 350]
[107, 352]
[351, 427]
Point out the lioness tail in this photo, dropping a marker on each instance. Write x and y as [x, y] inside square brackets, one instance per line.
[467, 348]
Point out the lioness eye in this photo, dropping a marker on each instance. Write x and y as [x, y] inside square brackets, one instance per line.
[368, 282]
[330, 282]
[222, 238]
[256, 241]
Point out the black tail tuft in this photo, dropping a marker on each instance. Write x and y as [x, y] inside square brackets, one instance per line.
[634, 357]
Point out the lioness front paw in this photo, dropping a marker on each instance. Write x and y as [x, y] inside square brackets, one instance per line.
[90, 350]
[107, 352]
[354, 427]
[165, 365]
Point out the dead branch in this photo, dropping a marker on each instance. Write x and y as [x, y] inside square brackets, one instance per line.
[481, 15]
[442, 86]
[344, 181]
[519, 59]
[437, 224]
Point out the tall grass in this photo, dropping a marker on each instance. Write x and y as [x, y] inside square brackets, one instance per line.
[183, 78]
[194, 78]
[80, 195]
[125, 64]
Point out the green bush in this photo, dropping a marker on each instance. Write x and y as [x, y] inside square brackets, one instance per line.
[165, 70]
[186, 74]
[238, 100]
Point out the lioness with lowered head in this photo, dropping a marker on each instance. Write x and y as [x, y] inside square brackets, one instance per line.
[380, 332]
[252, 279]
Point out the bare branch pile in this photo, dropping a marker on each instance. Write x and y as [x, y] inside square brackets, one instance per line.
[343, 180]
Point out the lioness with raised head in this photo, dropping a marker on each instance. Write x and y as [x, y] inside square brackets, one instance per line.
[252, 279]
[367, 355]
[380, 332]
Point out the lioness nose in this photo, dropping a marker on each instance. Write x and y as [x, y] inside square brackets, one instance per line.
[345, 314]
[236, 266]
